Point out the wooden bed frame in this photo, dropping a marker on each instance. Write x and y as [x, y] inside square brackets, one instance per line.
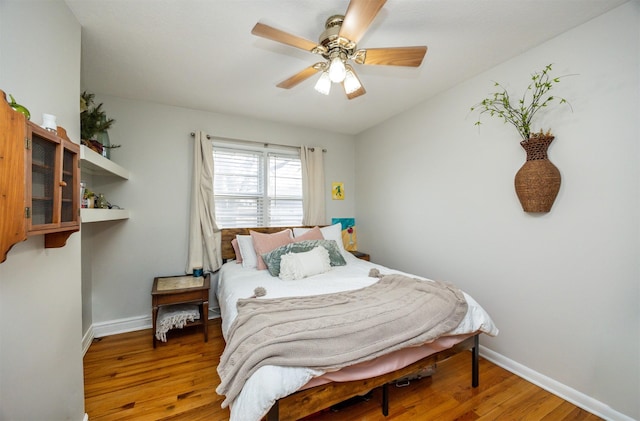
[229, 234]
[308, 401]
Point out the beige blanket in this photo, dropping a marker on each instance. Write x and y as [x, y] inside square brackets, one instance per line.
[331, 331]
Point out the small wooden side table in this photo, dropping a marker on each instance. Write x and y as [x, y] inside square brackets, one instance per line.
[361, 255]
[171, 290]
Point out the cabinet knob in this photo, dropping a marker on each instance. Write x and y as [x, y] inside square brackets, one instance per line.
[63, 183]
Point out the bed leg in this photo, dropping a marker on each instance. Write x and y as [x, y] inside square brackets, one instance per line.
[475, 353]
[274, 412]
[385, 399]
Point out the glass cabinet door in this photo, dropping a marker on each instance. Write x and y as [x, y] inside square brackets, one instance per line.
[43, 171]
[69, 211]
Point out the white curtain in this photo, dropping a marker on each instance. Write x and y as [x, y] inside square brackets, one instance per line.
[312, 186]
[204, 235]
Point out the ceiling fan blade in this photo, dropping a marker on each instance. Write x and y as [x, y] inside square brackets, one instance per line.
[358, 17]
[396, 56]
[269, 32]
[299, 77]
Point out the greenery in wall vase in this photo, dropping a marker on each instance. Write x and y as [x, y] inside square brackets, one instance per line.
[520, 112]
[537, 182]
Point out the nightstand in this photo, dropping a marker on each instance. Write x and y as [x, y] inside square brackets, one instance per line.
[171, 290]
[361, 255]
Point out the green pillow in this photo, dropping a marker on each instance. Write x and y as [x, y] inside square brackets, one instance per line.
[272, 258]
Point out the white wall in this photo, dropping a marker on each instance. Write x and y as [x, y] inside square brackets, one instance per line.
[157, 149]
[562, 287]
[40, 316]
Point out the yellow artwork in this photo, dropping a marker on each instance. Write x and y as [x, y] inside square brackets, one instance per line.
[349, 238]
[337, 191]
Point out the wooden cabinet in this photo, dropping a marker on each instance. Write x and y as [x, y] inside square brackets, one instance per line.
[52, 184]
[40, 182]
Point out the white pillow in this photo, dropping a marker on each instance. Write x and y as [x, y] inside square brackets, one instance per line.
[249, 256]
[308, 263]
[331, 232]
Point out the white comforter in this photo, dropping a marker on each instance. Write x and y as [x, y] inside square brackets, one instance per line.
[271, 383]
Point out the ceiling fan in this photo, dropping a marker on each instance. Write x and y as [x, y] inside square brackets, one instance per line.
[338, 45]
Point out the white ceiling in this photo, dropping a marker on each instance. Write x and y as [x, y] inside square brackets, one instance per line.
[200, 54]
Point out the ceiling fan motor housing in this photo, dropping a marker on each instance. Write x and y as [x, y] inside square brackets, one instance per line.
[335, 45]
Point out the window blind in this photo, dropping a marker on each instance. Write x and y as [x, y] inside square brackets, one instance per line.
[255, 188]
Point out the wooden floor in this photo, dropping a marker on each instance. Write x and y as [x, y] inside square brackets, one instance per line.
[126, 379]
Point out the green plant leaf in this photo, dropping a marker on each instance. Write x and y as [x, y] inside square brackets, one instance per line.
[499, 104]
[93, 120]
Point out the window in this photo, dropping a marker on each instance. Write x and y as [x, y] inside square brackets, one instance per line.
[256, 188]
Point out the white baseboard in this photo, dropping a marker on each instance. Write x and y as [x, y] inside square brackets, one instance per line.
[130, 324]
[87, 338]
[559, 389]
[86, 417]
[214, 313]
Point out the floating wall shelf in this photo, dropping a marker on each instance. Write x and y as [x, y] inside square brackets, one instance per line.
[97, 215]
[95, 164]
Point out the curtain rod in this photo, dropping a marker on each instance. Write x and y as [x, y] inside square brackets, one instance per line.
[265, 144]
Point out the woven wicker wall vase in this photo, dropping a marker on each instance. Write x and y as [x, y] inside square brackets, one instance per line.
[538, 180]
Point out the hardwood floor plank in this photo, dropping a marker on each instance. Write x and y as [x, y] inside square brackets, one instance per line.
[566, 411]
[127, 379]
[468, 403]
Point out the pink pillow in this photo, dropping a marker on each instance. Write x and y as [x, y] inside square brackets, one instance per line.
[264, 243]
[313, 234]
[236, 250]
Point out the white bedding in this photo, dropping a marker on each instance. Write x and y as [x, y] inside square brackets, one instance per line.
[270, 383]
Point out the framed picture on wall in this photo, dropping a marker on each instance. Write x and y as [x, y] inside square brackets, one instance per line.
[337, 190]
[349, 237]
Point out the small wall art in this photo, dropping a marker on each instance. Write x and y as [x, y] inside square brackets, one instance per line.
[349, 237]
[337, 190]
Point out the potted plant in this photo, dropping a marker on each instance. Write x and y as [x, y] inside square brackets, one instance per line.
[88, 198]
[538, 181]
[94, 125]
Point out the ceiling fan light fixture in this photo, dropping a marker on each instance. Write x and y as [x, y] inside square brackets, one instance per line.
[351, 82]
[337, 70]
[338, 46]
[323, 85]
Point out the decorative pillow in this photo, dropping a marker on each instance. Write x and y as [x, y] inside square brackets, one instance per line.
[301, 265]
[313, 234]
[264, 243]
[331, 232]
[273, 258]
[247, 252]
[236, 250]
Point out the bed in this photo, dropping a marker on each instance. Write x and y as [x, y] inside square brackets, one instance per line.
[292, 392]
